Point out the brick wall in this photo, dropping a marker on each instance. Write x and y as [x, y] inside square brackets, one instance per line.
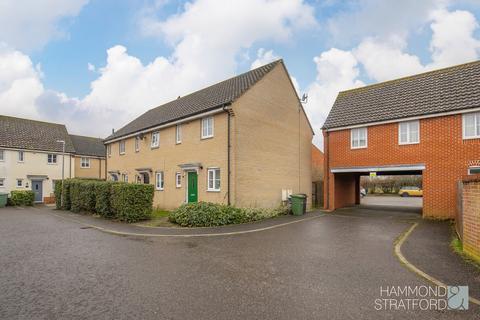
[442, 149]
[317, 164]
[471, 216]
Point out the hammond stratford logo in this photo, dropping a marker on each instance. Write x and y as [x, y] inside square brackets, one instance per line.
[402, 298]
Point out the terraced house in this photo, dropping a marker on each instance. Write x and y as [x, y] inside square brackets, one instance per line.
[245, 141]
[32, 154]
[427, 124]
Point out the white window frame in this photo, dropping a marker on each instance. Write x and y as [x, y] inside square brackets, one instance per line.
[476, 121]
[50, 158]
[206, 125]
[408, 124]
[21, 183]
[85, 162]
[2, 182]
[124, 177]
[214, 178]
[159, 181]
[178, 134]
[178, 179]
[22, 157]
[473, 167]
[137, 144]
[120, 144]
[352, 138]
[109, 149]
[2, 155]
[155, 143]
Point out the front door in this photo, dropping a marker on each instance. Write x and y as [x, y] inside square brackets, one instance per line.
[37, 188]
[192, 190]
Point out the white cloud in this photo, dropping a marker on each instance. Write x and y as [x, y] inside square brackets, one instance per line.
[453, 38]
[263, 57]
[28, 25]
[337, 70]
[386, 60]
[90, 67]
[20, 83]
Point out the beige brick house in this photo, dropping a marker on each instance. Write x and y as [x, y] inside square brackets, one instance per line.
[245, 141]
[89, 157]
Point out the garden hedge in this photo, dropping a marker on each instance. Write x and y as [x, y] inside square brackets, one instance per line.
[206, 214]
[22, 198]
[123, 201]
[132, 202]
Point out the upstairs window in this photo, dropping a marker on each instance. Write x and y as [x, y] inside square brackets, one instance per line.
[121, 147]
[51, 158]
[155, 139]
[109, 150]
[159, 183]
[2, 155]
[471, 125]
[409, 132]
[137, 144]
[207, 127]
[358, 138]
[84, 162]
[178, 134]
[21, 156]
[213, 179]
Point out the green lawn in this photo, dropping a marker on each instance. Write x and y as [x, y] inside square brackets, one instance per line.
[159, 219]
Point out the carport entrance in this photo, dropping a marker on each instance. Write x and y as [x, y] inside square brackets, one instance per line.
[347, 183]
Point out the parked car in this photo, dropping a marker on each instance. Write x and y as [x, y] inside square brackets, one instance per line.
[410, 192]
[363, 192]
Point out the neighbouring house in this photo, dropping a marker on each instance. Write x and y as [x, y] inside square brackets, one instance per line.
[245, 141]
[317, 176]
[32, 155]
[89, 157]
[426, 124]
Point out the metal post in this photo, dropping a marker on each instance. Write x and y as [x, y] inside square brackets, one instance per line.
[63, 169]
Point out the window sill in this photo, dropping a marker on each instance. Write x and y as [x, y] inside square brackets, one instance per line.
[206, 138]
[213, 190]
[471, 138]
[52, 164]
[154, 147]
[122, 154]
[357, 148]
[84, 167]
[407, 143]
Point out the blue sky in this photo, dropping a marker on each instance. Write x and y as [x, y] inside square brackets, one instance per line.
[143, 53]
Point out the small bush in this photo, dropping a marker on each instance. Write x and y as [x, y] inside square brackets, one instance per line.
[131, 202]
[82, 195]
[206, 214]
[66, 194]
[58, 194]
[22, 198]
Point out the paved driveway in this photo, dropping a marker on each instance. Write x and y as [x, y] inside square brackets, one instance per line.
[330, 267]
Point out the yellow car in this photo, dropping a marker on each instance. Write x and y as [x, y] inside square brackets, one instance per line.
[410, 192]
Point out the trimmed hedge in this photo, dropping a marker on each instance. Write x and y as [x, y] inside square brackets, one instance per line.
[206, 214]
[132, 202]
[22, 198]
[117, 200]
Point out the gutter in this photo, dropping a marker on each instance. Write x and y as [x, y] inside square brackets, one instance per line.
[326, 171]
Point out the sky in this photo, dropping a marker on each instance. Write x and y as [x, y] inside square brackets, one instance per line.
[95, 65]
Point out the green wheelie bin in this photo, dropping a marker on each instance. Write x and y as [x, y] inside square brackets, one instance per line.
[299, 204]
[3, 199]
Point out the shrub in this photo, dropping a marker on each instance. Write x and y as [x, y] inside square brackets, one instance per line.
[22, 198]
[58, 194]
[102, 200]
[206, 214]
[66, 194]
[82, 195]
[131, 202]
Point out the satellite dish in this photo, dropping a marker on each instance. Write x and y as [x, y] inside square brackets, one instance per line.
[304, 98]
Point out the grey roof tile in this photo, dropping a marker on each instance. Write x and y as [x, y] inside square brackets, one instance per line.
[449, 89]
[88, 146]
[206, 99]
[33, 135]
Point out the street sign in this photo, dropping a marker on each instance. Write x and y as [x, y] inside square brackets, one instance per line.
[373, 174]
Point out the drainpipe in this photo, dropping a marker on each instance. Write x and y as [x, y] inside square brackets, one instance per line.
[326, 169]
[227, 109]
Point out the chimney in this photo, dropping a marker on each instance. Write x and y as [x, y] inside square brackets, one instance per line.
[113, 130]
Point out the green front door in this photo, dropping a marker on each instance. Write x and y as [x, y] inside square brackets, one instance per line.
[192, 187]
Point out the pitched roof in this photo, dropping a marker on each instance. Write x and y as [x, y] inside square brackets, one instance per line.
[33, 135]
[449, 89]
[204, 100]
[88, 146]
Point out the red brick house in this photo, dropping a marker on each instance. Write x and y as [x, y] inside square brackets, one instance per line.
[426, 124]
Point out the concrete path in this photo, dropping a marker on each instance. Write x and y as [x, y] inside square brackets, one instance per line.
[329, 267]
